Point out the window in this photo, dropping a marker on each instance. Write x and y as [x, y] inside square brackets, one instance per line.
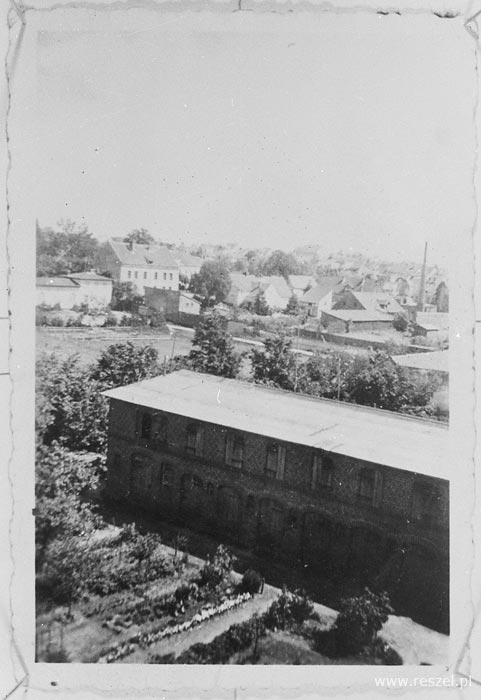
[153, 427]
[210, 489]
[166, 476]
[165, 276]
[370, 486]
[159, 428]
[146, 426]
[234, 450]
[156, 274]
[136, 274]
[425, 501]
[276, 520]
[129, 274]
[171, 277]
[145, 275]
[275, 462]
[194, 439]
[322, 475]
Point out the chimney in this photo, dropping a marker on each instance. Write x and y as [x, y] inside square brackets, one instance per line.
[422, 283]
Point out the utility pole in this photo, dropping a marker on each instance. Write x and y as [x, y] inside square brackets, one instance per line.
[338, 378]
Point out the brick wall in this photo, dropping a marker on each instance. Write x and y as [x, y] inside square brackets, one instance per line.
[325, 528]
[340, 504]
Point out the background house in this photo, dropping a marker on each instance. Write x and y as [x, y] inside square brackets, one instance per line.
[369, 301]
[53, 291]
[188, 264]
[176, 306]
[143, 265]
[346, 320]
[300, 284]
[319, 298]
[94, 290]
[73, 290]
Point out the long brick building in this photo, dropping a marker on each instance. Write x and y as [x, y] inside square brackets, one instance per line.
[317, 482]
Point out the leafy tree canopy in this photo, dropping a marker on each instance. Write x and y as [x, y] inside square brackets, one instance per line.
[213, 348]
[63, 480]
[125, 297]
[275, 364]
[68, 248]
[123, 363]
[140, 236]
[281, 263]
[212, 282]
[70, 408]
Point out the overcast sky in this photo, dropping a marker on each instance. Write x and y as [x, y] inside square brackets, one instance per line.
[349, 131]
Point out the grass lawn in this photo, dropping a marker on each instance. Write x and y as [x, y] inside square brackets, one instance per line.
[89, 343]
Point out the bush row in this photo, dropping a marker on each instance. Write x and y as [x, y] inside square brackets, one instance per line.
[289, 610]
[144, 639]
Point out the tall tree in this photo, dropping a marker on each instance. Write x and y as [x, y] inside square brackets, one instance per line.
[377, 381]
[260, 306]
[292, 307]
[70, 407]
[140, 236]
[275, 364]
[123, 363]
[212, 282]
[125, 297]
[281, 263]
[68, 248]
[213, 348]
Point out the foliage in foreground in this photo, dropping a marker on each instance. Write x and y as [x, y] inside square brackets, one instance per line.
[213, 348]
[357, 626]
[288, 610]
[74, 567]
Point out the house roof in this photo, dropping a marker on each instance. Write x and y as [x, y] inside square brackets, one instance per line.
[89, 276]
[368, 434]
[314, 295]
[372, 301]
[437, 361]
[279, 284]
[155, 256]
[426, 326]
[243, 282]
[55, 282]
[359, 315]
[188, 260]
[300, 281]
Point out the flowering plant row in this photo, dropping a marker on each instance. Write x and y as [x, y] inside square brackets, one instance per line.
[144, 639]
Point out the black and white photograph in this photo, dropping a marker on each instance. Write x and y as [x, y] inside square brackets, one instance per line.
[247, 223]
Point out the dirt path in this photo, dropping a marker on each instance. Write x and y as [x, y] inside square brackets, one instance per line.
[207, 631]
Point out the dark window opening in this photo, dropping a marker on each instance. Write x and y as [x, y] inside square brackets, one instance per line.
[194, 439]
[146, 426]
[234, 456]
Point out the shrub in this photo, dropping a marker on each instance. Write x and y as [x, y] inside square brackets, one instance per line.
[251, 582]
[57, 321]
[290, 608]
[360, 619]
[218, 570]
[400, 323]
[110, 320]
